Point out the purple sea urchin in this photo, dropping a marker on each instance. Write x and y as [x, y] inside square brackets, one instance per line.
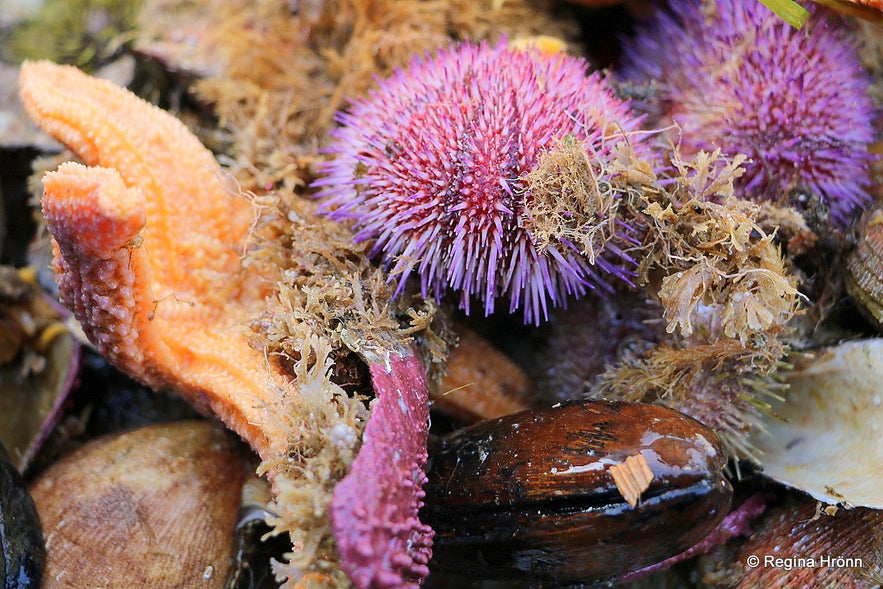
[433, 164]
[730, 75]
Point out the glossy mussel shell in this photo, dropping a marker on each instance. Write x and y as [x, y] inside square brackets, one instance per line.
[22, 550]
[531, 494]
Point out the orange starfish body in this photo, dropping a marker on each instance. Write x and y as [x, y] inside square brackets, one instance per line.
[148, 254]
[149, 246]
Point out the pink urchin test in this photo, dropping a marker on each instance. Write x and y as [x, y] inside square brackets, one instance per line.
[431, 166]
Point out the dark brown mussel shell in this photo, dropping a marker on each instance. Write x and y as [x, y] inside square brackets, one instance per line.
[530, 495]
[22, 550]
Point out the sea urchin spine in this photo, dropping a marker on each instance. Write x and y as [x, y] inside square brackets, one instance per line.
[728, 74]
[432, 166]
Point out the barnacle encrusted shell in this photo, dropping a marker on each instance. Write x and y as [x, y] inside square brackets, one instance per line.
[824, 439]
[155, 507]
[864, 268]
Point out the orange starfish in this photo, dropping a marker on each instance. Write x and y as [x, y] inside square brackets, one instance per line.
[148, 247]
[148, 254]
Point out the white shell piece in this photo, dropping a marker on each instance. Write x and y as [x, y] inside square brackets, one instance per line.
[831, 445]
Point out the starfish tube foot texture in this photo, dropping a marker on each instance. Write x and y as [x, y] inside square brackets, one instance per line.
[383, 542]
[149, 244]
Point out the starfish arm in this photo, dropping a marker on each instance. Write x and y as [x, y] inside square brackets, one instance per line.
[104, 271]
[148, 248]
[148, 252]
[201, 225]
[97, 221]
[374, 509]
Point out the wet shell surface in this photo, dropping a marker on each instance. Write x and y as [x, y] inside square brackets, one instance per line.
[825, 438]
[155, 507]
[22, 553]
[574, 493]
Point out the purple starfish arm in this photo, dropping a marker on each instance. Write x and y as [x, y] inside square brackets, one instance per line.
[382, 543]
[736, 524]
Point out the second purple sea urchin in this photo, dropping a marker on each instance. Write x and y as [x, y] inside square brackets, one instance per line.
[729, 74]
[433, 165]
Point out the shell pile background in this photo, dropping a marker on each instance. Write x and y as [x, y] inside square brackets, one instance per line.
[671, 203]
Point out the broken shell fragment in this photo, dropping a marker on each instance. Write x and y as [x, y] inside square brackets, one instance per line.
[532, 495]
[155, 507]
[632, 478]
[823, 439]
[42, 360]
[480, 382]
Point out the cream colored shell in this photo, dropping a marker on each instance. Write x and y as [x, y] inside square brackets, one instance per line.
[155, 507]
[826, 438]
